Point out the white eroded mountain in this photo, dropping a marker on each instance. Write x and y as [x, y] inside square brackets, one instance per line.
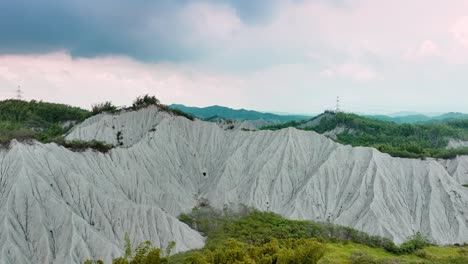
[64, 207]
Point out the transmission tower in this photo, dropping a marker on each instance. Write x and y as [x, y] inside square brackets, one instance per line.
[19, 93]
[337, 110]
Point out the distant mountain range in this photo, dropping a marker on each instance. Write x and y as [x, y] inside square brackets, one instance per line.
[419, 118]
[215, 112]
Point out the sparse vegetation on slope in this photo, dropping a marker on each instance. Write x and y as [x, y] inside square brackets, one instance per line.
[399, 140]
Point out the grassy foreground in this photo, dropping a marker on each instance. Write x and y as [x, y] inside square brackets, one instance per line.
[259, 237]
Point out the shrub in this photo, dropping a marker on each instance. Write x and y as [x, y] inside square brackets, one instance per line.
[106, 107]
[144, 101]
[77, 145]
[361, 257]
[176, 112]
[145, 253]
[414, 243]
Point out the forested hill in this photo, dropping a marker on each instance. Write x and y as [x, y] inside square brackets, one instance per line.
[399, 140]
[236, 114]
[419, 118]
[36, 119]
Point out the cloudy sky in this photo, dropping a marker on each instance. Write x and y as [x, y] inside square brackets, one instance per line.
[296, 56]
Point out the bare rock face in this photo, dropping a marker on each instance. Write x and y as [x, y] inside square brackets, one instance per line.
[458, 168]
[59, 206]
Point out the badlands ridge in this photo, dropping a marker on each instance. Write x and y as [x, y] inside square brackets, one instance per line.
[59, 206]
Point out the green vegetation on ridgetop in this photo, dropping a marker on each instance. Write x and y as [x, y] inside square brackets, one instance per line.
[250, 236]
[216, 111]
[42, 121]
[399, 140]
[49, 122]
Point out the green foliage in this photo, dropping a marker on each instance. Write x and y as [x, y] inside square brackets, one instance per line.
[94, 262]
[398, 140]
[361, 257]
[105, 107]
[247, 236]
[176, 112]
[283, 125]
[169, 248]
[128, 246]
[145, 253]
[148, 100]
[45, 122]
[205, 219]
[465, 185]
[48, 122]
[413, 244]
[145, 101]
[254, 227]
[77, 145]
[306, 251]
[39, 114]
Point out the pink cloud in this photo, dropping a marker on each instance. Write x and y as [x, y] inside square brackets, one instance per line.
[460, 31]
[59, 78]
[387, 29]
[353, 71]
[427, 49]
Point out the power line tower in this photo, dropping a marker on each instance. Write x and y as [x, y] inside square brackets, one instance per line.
[19, 93]
[337, 110]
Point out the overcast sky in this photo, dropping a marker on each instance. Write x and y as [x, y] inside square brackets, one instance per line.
[296, 56]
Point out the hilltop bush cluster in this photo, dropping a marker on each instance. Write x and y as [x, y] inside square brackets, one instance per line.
[139, 103]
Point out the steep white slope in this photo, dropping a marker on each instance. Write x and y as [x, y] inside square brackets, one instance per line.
[123, 129]
[458, 168]
[246, 124]
[63, 207]
[89, 200]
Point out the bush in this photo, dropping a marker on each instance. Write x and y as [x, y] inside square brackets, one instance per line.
[145, 253]
[145, 101]
[77, 145]
[413, 244]
[176, 112]
[106, 107]
[361, 257]
[306, 251]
